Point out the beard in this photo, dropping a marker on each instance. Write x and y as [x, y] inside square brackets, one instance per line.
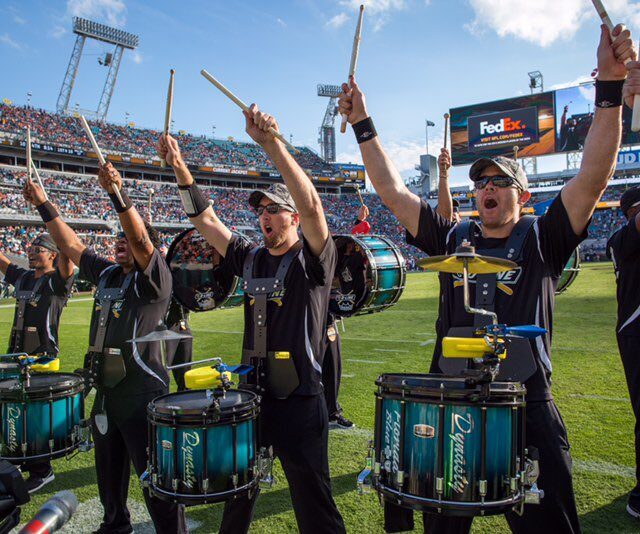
[276, 239]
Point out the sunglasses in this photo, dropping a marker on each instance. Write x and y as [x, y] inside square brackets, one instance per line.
[497, 181]
[37, 250]
[271, 209]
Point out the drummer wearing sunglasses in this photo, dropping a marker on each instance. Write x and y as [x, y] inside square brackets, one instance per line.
[42, 291]
[540, 246]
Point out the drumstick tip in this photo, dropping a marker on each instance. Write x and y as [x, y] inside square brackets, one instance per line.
[446, 115]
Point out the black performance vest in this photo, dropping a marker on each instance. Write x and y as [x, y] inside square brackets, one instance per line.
[26, 341]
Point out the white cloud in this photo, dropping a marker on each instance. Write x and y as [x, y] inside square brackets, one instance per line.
[136, 57]
[58, 31]
[337, 21]
[19, 20]
[577, 81]
[545, 21]
[281, 22]
[111, 12]
[5, 38]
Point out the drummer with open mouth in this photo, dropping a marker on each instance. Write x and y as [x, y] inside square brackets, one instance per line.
[287, 286]
[131, 299]
[540, 246]
[41, 293]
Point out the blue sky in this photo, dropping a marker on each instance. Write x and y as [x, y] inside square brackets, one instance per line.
[417, 59]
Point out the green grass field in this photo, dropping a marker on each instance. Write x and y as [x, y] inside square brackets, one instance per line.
[589, 388]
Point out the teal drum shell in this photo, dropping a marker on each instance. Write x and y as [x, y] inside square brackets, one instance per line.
[42, 420]
[200, 283]
[444, 446]
[200, 453]
[370, 275]
[570, 272]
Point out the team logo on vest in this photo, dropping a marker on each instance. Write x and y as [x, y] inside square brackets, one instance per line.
[505, 279]
[274, 296]
[34, 301]
[116, 308]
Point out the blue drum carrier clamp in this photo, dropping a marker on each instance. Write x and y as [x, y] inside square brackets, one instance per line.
[203, 441]
[455, 444]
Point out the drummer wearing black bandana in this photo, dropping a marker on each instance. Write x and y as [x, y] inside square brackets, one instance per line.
[540, 246]
[131, 299]
[287, 286]
[41, 293]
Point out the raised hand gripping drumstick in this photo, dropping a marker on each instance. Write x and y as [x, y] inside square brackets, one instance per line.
[354, 60]
[446, 130]
[602, 12]
[515, 152]
[167, 113]
[96, 149]
[28, 150]
[244, 107]
[359, 195]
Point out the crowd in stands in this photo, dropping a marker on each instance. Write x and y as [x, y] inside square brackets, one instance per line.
[66, 131]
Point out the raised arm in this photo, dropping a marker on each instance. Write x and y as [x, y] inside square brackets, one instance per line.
[445, 201]
[304, 194]
[65, 266]
[582, 193]
[130, 220]
[63, 235]
[4, 263]
[206, 222]
[383, 175]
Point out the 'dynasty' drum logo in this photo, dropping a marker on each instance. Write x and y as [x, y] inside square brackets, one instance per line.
[13, 415]
[392, 441]
[461, 426]
[189, 441]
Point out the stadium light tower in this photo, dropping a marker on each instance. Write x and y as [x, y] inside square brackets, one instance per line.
[327, 137]
[536, 81]
[84, 29]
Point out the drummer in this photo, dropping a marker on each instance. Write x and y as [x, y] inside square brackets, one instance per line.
[42, 291]
[286, 303]
[332, 361]
[132, 297]
[527, 295]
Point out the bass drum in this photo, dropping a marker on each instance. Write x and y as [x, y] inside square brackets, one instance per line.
[370, 275]
[570, 272]
[200, 282]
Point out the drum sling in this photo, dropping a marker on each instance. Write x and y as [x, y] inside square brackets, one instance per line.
[520, 363]
[275, 370]
[27, 341]
[106, 365]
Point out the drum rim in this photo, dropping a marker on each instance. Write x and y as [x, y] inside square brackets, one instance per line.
[189, 499]
[60, 390]
[383, 387]
[245, 408]
[369, 295]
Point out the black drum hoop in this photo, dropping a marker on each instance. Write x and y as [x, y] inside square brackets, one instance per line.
[452, 508]
[574, 273]
[53, 455]
[59, 391]
[189, 499]
[447, 401]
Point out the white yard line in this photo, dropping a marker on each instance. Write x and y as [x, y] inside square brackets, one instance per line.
[356, 360]
[599, 397]
[390, 350]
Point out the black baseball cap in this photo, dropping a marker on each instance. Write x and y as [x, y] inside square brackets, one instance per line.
[509, 166]
[277, 193]
[629, 199]
[45, 241]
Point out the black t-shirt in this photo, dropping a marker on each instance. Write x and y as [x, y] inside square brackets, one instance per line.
[624, 249]
[143, 307]
[296, 317]
[44, 310]
[523, 296]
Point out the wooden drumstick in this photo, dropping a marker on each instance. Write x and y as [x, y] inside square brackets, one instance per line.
[515, 152]
[167, 113]
[35, 171]
[28, 155]
[96, 149]
[446, 130]
[354, 60]
[359, 195]
[602, 12]
[244, 107]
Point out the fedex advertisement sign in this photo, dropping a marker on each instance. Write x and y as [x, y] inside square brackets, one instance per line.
[503, 129]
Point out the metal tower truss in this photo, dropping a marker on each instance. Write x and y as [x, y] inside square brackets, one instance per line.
[327, 137]
[84, 28]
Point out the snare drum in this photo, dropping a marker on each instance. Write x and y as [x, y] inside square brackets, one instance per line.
[444, 446]
[200, 283]
[202, 446]
[570, 272]
[43, 420]
[370, 275]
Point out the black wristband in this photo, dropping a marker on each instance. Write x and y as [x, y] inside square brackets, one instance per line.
[193, 200]
[47, 211]
[364, 130]
[116, 201]
[609, 93]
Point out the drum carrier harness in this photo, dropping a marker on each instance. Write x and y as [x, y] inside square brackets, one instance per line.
[521, 364]
[27, 341]
[106, 365]
[275, 371]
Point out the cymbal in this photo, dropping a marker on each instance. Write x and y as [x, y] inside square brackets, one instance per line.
[160, 335]
[476, 264]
